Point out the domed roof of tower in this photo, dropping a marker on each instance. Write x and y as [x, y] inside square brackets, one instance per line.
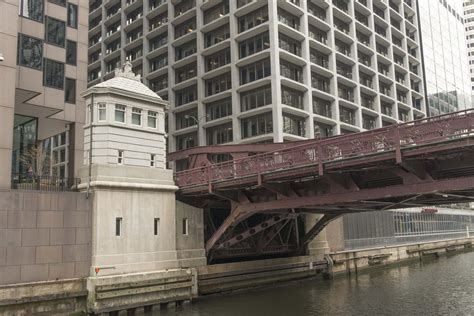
[127, 81]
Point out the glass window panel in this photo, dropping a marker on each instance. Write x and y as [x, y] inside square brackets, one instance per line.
[136, 116]
[71, 52]
[30, 52]
[32, 9]
[55, 31]
[58, 2]
[102, 112]
[152, 119]
[120, 113]
[70, 92]
[72, 15]
[53, 74]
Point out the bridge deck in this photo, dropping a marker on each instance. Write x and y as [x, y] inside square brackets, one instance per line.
[425, 162]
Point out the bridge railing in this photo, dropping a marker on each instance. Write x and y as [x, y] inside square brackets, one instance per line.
[395, 137]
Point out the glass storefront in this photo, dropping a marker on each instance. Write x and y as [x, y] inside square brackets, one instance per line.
[24, 144]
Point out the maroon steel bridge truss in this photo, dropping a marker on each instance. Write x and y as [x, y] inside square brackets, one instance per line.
[424, 162]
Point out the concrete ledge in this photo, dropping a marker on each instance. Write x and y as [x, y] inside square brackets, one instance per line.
[65, 296]
[240, 275]
[353, 260]
[128, 291]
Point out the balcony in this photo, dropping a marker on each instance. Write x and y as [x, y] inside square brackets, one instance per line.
[343, 48]
[318, 35]
[366, 81]
[320, 83]
[322, 108]
[347, 116]
[341, 5]
[320, 60]
[387, 109]
[368, 123]
[316, 11]
[346, 94]
[344, 70]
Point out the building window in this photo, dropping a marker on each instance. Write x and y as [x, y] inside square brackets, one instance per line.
[32, 9]
[292, 97]
[120, 157]
[151, 119]
[59, 153]
[53, 74]
[120, 113]
[186, 119]
[72, 15]
[254, 45]
[118, 226]
[70, 91]
[102, 112]
[186, 141]
[255, 71]
[152, 160]
[219, 135]
[218, 59]
[55, 31]
[218, 109]
[253, 19]
[257, 125]
[156, 226]
[218, 84]
[71, 52]
[216, 36]
[255, 98]
[186, 95]
[185, 226]
[136, 116]
[30, 52]
[58, 2]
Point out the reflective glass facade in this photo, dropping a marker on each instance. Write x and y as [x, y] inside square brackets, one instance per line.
[444, 55]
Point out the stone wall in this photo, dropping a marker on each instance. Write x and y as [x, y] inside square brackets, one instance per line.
[44, 236]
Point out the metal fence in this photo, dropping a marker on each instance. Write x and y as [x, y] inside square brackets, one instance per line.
[385, 228]
[43, 183]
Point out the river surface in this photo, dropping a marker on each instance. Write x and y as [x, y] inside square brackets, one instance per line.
[443, 286]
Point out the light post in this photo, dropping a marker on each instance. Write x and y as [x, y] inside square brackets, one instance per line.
[196, 120]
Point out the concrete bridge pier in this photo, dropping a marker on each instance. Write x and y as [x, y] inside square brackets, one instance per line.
[319, 246]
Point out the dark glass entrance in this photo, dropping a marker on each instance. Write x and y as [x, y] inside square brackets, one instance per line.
[25, 131]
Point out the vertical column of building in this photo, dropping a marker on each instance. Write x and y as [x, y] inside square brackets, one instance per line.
[277, 115]
[172, 143]
[305, 54]
[201, 84]
[8, 41]
[358, 94]
[234, 57]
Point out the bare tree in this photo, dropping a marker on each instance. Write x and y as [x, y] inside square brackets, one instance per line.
[36, 158]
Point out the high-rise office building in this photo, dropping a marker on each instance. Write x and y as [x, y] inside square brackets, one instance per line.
[444, 55]
[43, 68]
[266, 70]
[469, 27]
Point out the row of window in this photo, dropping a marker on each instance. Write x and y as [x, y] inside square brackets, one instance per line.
[120, 117]
[121, 157]
[156, 226]
[34, 10]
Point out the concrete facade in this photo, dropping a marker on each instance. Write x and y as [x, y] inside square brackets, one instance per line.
[137, 226]
[44, 236]
[24, 90]
[310, 67]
